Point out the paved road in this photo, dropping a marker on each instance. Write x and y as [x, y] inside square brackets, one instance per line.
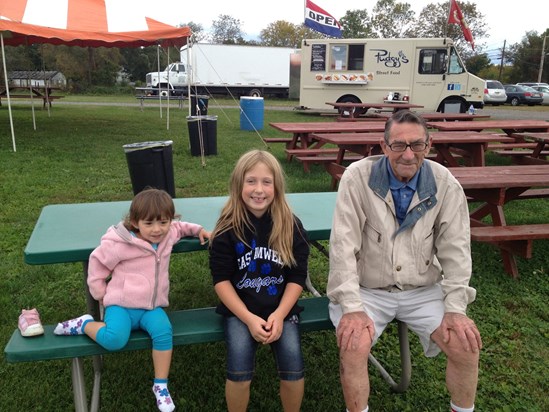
[500, 112]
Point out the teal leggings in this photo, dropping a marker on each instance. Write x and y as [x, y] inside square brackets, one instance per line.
[119, 322]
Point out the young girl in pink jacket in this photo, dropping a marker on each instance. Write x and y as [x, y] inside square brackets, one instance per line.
[128, 274]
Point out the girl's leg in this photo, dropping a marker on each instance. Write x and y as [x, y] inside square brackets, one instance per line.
[112, 334]
[290, 366]
[157, 324]
[241, 349]
[237, 395]
[291, 394]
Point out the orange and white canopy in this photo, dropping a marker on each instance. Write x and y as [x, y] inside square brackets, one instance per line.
[85, 23]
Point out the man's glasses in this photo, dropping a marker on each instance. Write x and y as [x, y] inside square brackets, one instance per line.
[401, 147]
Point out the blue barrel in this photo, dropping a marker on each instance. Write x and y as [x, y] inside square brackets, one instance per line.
[251, 113]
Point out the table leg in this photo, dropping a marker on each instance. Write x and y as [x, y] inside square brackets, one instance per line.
[94, 310]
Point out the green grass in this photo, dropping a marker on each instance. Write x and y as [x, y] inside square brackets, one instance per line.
[76, 155]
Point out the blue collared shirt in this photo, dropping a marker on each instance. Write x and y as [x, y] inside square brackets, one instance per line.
[402, 192]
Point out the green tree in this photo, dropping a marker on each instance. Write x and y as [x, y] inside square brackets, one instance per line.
[475, 64]
[391, 19]
[227, 30]
[433, 22]
[357, 25]
[197, 30]
[284, 34]
[525, 58]
[281, 34]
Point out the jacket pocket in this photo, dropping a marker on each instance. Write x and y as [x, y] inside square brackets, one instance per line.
[372, 252]
[426, 252]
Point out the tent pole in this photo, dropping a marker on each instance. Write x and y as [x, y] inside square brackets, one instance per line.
[159, 89]
[7, 91]
[189, 69]
[46, 93]
[168, 97]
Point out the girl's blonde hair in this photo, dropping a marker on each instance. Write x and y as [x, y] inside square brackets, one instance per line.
[235, 215]
[150, 204]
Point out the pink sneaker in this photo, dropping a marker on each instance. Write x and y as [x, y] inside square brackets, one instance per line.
[29, 323]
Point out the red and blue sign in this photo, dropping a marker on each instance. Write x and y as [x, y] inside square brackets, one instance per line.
[320, 20]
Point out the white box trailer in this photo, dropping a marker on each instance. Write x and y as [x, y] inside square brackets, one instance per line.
[242, 70]
[424, 71]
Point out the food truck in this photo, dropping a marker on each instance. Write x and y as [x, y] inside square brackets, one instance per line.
[423, 71]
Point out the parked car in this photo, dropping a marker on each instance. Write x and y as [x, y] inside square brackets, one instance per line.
[522, 95]
[530, 84]
[544, 90]
[494, 93]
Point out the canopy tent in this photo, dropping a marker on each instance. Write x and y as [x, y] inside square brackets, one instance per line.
[84, 23]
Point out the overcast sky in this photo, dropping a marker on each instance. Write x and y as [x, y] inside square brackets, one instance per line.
[505, 20]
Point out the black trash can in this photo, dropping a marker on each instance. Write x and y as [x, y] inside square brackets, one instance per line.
[151, 165]
[202, 128]
[199, 105]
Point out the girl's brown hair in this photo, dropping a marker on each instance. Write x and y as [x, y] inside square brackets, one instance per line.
[150, 204]
[235, 215]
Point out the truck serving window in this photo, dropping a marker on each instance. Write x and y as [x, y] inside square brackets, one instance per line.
[432, 61]
[346, 57]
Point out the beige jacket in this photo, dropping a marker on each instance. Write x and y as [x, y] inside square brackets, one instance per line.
[369, 249]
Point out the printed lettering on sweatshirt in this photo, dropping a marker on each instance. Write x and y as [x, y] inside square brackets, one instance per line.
[258, 277]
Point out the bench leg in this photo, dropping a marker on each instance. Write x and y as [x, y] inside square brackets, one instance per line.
[79, 386]
[405, 362]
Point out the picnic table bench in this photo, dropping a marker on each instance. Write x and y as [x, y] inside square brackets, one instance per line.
[45, 99]
[52, 242]
[191, 326]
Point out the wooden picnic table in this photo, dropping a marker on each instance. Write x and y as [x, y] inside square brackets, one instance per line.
[539, 153]
[495, 186]
[449, 146]
[39, 92]
[301, 131]
[356, 109]
[436, 116]
[509, 127]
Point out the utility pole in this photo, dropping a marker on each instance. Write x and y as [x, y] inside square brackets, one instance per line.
[501, 63]
[542, 59]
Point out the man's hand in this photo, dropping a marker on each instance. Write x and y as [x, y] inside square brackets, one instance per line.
[465, 330]
[351, 328]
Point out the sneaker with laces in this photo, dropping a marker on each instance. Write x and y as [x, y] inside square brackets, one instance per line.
[29, 323]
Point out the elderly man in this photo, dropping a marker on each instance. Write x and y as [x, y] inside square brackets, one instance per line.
[400, 248]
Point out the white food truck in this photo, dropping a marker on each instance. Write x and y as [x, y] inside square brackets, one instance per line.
[423, 71]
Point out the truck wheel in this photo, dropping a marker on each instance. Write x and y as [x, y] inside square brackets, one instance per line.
[463, 107]
[346, 112]
[255, 93]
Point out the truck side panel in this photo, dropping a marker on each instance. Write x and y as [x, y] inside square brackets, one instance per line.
[427, 71]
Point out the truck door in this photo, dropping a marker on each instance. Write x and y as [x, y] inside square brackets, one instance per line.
[443, 77]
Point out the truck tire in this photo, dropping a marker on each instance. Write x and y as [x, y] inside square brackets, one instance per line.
[349, 99]
[164, 90]
[255, 93]
[463, 107]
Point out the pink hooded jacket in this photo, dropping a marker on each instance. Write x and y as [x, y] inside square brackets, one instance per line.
[138, 274]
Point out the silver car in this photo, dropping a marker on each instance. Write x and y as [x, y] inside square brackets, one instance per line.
[543, 90]
[494, 93]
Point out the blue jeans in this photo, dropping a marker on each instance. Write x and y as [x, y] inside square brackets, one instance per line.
[242, 347]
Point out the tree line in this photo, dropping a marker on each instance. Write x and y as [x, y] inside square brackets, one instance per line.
[88, 68]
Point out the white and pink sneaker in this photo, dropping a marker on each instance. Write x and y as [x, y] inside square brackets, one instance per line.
[29, 323]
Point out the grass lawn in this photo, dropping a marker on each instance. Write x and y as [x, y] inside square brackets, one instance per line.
[76, 155]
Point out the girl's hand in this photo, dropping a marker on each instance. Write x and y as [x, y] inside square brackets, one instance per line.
[275, 325]
[203, 235]
[258, 328]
